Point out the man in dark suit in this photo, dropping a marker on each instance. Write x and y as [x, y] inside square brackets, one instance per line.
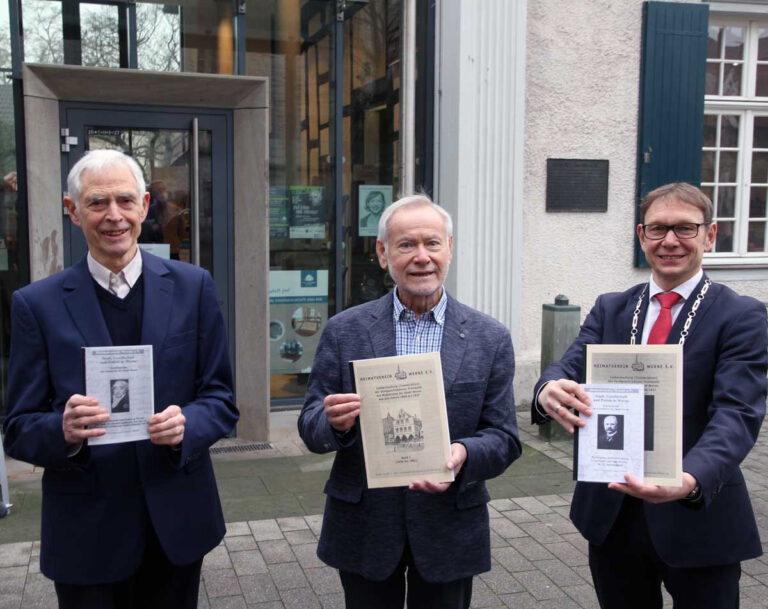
[123, 524]
[610, 438]
[692, 538]
[120, 401]
[437, 533]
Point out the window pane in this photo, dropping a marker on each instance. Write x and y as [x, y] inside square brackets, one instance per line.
[708, 166]
[731, 79]
[756, 237]
[99, 35]
[761, 86]
[713, 43]
[158, 37]
[43, 37]
[727, 169]
[760, 167]
[713, 79]
[724, 239]
[760, 133]
[709, 191]
[710, 130]
[726, 197]
[729, 131]
[734, 43]
[757, 202]
[11, 241]
[762, 43]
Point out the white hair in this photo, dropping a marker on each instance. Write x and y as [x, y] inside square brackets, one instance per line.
[99, 160]
[410, 201]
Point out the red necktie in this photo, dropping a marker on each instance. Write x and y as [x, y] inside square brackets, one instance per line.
[663, 323]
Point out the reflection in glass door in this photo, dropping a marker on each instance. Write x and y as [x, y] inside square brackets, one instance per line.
[334, 139]
[164, 156]
[184, 181]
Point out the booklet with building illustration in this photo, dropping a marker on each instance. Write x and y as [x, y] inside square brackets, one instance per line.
[403, 419]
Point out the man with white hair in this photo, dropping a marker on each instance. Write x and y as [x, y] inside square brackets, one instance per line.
[124, 525]
[434, 535]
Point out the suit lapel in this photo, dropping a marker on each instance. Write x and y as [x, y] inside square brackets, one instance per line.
[382, 328]
[158, 301]
[455, 338]
[83, 306]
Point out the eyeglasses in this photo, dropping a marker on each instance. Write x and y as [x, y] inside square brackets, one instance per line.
[687, 230]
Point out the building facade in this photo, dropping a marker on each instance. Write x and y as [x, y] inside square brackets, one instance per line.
[273, 132]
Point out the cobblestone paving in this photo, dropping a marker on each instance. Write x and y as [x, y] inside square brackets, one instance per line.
[539, 560]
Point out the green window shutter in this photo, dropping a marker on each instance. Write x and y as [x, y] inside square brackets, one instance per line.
[672, 75]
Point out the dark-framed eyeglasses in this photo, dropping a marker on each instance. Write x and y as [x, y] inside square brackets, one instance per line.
[686, 230]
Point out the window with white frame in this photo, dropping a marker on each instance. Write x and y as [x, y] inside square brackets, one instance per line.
[734, 170]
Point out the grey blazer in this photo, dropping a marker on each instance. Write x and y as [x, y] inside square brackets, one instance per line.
[365, 531]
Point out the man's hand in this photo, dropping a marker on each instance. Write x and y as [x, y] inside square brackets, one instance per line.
[556, 397]
[653, 493]
[341, 410]
[81, 411]
[167, 427]
[458, 457]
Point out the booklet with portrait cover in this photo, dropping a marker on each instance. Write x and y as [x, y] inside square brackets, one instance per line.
[611, 443]
[121, 378]
[659, 368]
[403, 419]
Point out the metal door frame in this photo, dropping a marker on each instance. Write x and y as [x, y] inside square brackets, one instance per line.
[219, 122]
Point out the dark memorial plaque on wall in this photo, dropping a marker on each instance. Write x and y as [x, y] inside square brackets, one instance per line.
[577, 185]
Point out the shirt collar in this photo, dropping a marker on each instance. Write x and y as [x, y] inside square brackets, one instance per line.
[131, 271]
[685, 289]
[437, 312]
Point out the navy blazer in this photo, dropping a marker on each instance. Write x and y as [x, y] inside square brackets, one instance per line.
[365, 530]
[725, 358]
[98, 504]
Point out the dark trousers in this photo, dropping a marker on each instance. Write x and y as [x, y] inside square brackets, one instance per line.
[158, 584]
[362, 593]
[628, 572]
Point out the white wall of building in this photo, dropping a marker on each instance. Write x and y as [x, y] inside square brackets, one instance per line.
[479, 164]
[581, 90]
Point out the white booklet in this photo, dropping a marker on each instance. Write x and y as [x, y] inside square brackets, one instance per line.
[121, 378]
[659, 368]
[611, 443]
[403, 419]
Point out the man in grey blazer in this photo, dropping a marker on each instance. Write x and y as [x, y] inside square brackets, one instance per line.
[435, 534]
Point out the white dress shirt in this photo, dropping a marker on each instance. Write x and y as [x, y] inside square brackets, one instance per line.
[685, 290]
[119, 284]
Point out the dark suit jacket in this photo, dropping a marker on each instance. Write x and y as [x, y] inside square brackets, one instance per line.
[364, 531]
[725, 359]
[615, 443]
[96, 505]
[122, 405]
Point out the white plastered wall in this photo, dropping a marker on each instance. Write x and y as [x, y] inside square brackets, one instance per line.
[576, 65]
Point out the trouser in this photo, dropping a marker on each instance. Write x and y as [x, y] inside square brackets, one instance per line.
[362, 593]
[158, 584]
[628, 572]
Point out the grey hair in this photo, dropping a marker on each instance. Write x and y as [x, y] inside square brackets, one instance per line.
[98, 160]
[410, 201]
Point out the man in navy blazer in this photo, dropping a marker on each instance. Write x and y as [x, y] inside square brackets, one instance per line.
[691, 538]
[124, 524]
[437, 533]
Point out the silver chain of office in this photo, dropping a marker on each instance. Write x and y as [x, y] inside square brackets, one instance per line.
[691, 313]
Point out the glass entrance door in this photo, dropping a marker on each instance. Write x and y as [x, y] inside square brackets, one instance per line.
[185, 158]
[333, 167]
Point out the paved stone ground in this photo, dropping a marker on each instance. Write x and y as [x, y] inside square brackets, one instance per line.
[539, 560]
